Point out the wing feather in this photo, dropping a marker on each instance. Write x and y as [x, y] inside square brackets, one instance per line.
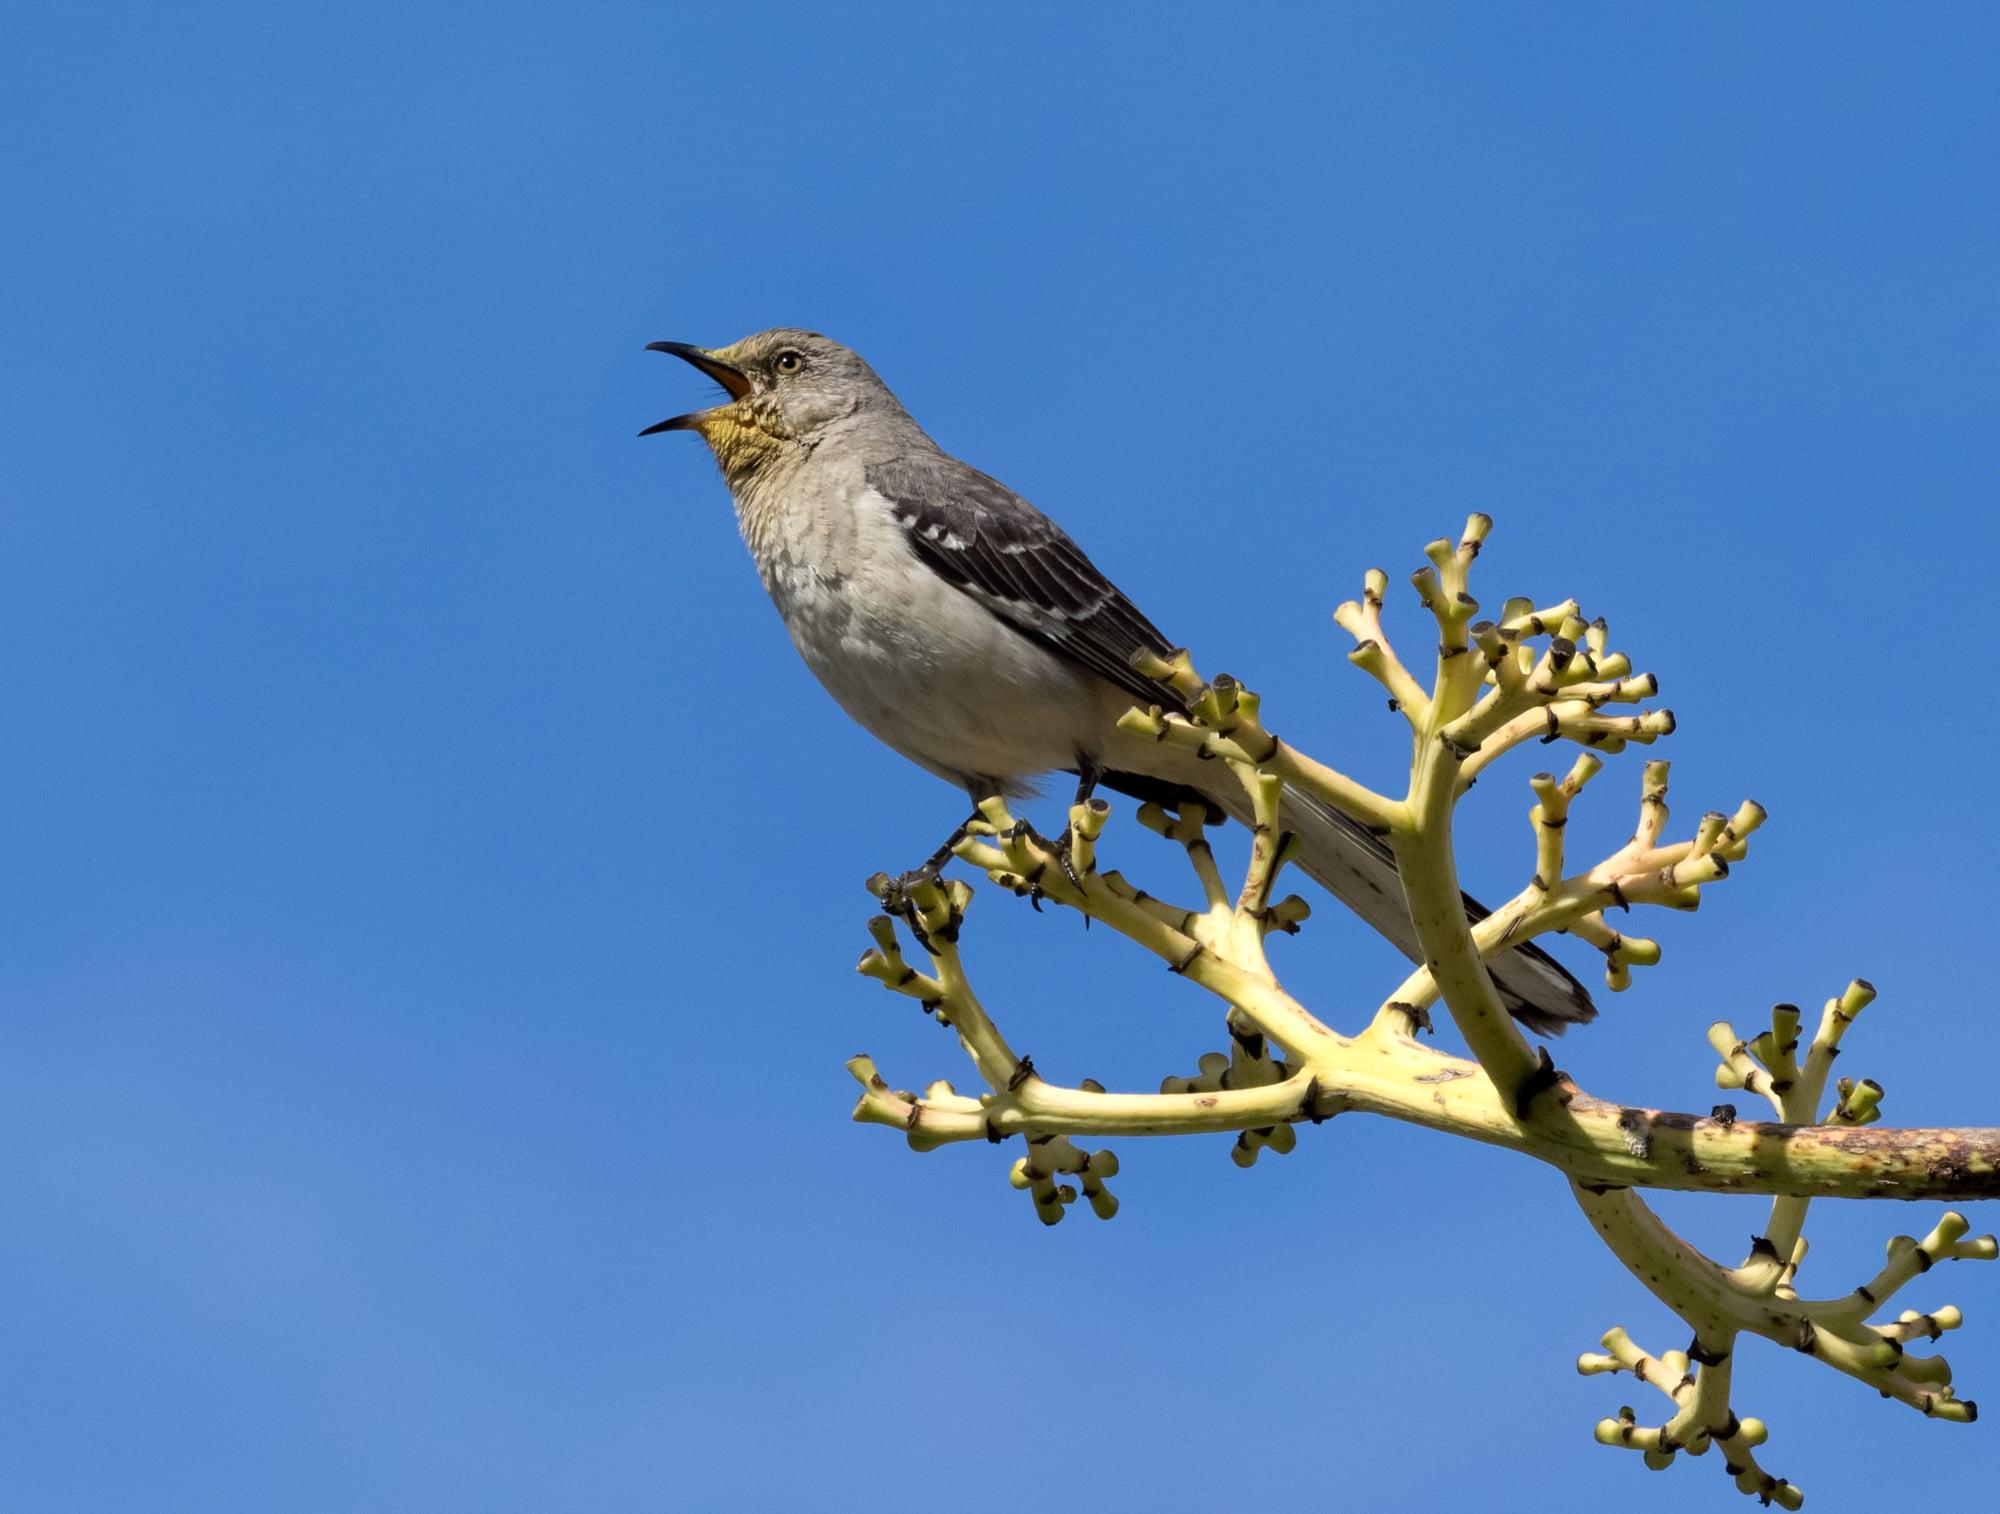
[977, 533]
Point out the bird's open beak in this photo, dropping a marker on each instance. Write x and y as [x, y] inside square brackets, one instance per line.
[727, 374]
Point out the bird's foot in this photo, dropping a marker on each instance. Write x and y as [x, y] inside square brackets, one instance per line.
[1064, 842]
[1065, 846]
[1088, 776]
[900, 895]
[896, 892]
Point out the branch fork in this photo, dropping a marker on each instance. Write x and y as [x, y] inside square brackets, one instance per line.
[1530, 675]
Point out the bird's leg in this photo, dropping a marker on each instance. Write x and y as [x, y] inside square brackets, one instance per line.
[934, 864]
[895, 892]
[1088, 776]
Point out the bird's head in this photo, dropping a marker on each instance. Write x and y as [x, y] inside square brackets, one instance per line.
[785, 388]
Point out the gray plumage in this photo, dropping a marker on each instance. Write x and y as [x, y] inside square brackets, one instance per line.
[984, 538]
[966, 630]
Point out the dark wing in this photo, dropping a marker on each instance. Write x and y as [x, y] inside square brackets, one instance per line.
[982, 536]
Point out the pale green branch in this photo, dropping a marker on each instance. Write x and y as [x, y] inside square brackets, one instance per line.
[1530, 674]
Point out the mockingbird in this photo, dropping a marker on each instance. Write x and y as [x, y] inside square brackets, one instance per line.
[966, 630]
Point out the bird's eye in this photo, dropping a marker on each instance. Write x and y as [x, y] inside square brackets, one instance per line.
[789, 361]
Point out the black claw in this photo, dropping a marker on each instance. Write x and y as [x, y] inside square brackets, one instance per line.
[1420, 1018]
[1543, 1078]
[1063, 861]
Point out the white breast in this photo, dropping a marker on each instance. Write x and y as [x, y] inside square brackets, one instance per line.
[921, 664]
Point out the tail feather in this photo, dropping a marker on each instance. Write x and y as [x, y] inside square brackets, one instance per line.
[1358, 868]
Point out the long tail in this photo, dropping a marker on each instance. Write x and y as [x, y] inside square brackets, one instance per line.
[1359, 869]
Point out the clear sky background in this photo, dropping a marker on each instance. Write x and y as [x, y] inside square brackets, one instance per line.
[430, 885]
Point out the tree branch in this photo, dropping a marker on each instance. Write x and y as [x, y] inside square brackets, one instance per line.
[1532, 673]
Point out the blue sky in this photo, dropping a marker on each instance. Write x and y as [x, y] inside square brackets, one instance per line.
[431, 884]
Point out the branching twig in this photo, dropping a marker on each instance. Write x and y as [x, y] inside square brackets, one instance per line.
[1531, 674]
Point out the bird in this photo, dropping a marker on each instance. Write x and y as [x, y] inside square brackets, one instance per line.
[967, 631]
